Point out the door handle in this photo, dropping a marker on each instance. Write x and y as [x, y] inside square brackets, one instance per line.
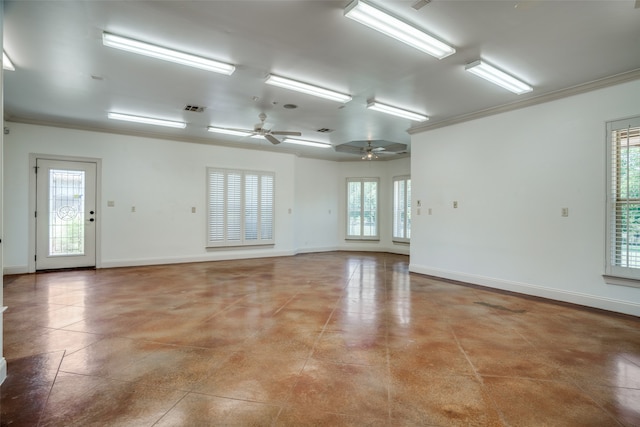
[91, 219]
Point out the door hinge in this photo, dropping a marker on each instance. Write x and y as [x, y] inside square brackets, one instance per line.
[35, 214]
[35, 257]
[35, 169]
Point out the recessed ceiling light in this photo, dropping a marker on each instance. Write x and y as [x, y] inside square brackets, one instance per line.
[395, 111]
[385, 23]
[492, 74]
[307, 88]
[166, 54]
[146, 120]
[308, 143]
[6, 62]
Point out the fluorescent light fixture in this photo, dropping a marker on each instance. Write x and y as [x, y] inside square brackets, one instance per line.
[308, 143]
[488, 72]
[165, 54]
[307, 88]
[373, 105]
[380, 20]
[146, 120]
[6, 62]
[228, 131]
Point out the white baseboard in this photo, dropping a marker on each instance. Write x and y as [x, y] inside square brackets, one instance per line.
[212, 256]
[594, 301]
[3, 369]
[17, 269]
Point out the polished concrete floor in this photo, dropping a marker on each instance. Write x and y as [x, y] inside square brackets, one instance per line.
[317, 339]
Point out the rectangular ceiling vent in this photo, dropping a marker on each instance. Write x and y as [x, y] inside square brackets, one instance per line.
[194, 108]
[324, 130]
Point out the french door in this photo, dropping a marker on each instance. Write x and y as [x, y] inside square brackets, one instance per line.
[65, 214]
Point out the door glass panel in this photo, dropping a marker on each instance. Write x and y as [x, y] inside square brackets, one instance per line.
[66, 212]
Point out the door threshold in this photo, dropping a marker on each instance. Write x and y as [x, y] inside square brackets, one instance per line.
[56, 270]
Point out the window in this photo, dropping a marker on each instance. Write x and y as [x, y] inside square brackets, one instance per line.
[401, 209]
[623, 199]
[240, 207]
[362, 208]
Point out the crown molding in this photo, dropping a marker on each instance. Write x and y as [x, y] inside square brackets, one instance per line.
[547, 97]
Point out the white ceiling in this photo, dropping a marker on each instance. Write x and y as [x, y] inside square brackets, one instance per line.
[65, 76]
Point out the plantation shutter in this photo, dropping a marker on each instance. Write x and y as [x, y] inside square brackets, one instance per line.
[240, 207]
[266, 207]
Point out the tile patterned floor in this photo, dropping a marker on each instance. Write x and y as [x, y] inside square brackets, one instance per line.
[317, 339]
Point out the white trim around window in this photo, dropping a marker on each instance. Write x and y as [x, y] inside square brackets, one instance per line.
[622, 264]
[240, 207]
[401, 215]
[362, 209]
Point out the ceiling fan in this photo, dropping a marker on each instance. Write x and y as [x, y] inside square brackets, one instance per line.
[371, 152]
[259, 131]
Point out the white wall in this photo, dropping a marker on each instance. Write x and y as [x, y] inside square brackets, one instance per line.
[511, 175]
[316, 205]
[162, 179]
[165, 179]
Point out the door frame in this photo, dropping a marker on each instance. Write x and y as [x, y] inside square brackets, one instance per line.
[31, 265]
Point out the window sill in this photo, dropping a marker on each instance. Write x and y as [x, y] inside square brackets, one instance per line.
[621, 281]
[362, 239]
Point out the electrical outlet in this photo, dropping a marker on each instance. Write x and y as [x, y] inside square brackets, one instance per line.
[133, 208]
[110, 203]
[565, 212]
[193, 209]
[429, 211]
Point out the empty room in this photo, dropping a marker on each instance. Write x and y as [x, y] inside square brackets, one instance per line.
[320, 212]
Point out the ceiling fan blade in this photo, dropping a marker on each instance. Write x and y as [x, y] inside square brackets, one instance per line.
[378, 149]
[345, 148]
[272, 139]
[284, 132]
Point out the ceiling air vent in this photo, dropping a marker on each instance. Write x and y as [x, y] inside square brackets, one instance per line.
[194, 108]
[324, 130]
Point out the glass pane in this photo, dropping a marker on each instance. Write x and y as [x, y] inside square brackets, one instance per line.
[66, 212]
[370, 209]
[353, 210]
[627, 240]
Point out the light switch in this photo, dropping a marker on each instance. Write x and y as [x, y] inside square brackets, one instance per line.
[455, 205]
[110, 203]
[565, 212]
[193, 209]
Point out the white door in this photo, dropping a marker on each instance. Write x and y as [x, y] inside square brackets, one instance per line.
[65, 214]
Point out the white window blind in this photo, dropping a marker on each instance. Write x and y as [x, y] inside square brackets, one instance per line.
[362, 208]
[623, 200]
[401, 209]
[240, 208]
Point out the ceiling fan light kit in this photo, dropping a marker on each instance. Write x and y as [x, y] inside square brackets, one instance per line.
[379, 20]
[159, 52]
[307, 88]
[500, 78]
[146, 120]
[395, 111]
